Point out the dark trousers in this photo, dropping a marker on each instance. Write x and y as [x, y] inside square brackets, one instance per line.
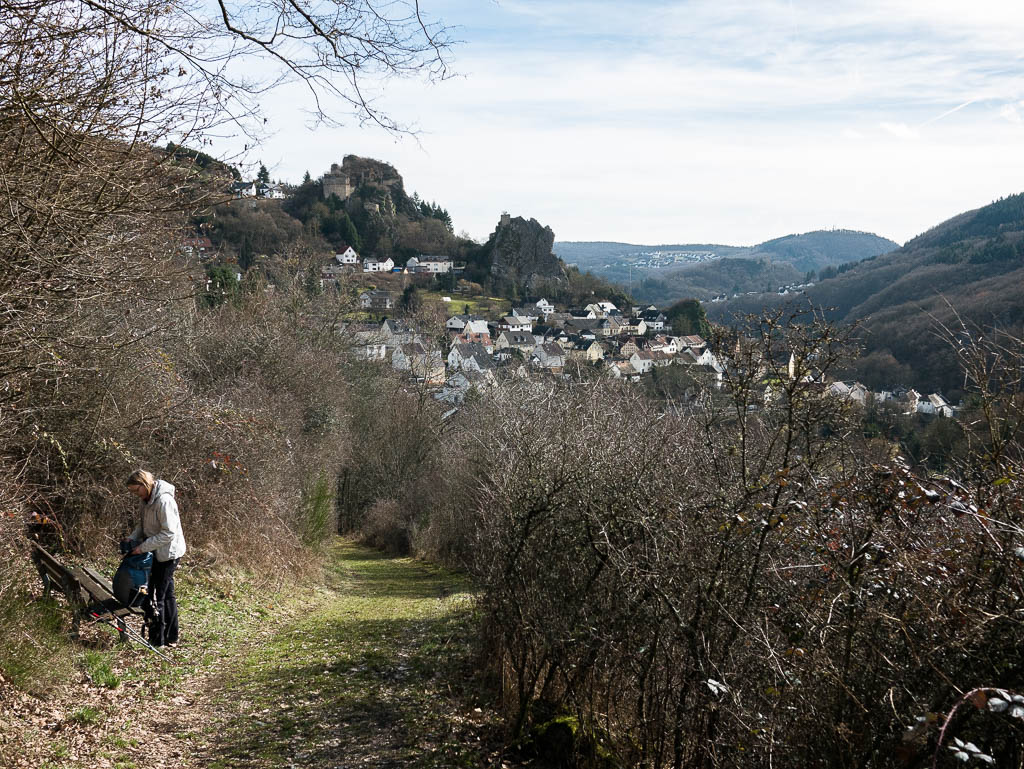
[162, 608]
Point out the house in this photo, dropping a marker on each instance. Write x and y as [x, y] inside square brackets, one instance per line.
[474, 330]
[395, 333]
[654, 319]
[434, 265]
[347, 256]
[622, 369]
[376, 299]
[376, 265]
[513, 323]
[839, 389]
[705, 361]
[243, 189]
[693, 341]
[549, 356]
[660, 358]
[545, 307]
[460, 383]
[610, 326]
[197, 246]
[367, 341]
[476, 325]
[631, 345]
[427, 365]
[581, 313]
[456, 324]
[634, 326]
[557, 319]
[272, 191]
[665, 344]
[935, 404]
[529, 314]
[579, 325]
[853, 391]
[469, 356]
[523, 341]
[587, 351]
[642, 361]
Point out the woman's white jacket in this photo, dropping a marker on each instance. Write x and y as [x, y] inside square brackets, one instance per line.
[160, 530]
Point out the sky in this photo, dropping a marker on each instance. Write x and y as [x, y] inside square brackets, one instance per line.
[705, 121]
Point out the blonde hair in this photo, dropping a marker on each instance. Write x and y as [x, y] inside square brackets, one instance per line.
[142, 478]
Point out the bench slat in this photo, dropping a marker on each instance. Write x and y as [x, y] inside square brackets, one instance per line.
[91, 586]
[99, 578]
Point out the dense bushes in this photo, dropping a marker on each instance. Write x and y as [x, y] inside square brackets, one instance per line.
[728, 587]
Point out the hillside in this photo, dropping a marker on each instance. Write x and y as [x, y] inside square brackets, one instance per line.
[664, 273]
[971, 265]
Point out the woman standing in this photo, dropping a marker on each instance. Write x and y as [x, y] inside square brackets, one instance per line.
[159, 532]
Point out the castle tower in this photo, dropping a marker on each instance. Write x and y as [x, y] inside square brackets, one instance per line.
[337, 182]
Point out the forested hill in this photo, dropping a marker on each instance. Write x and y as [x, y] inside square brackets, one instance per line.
[824, 248]
[971, 265]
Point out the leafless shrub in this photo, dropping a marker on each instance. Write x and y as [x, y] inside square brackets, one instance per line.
[739, 583]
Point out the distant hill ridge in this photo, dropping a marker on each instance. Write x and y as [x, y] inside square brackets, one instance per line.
[971, 265]
[787, 260]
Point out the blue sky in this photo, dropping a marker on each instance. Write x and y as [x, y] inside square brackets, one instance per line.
[701, 121]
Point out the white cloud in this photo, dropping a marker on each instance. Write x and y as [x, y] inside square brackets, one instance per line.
[900, 130]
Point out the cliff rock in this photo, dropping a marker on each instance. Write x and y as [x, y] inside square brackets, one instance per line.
[521, 255]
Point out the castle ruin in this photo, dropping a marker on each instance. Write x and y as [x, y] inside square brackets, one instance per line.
[354, 171]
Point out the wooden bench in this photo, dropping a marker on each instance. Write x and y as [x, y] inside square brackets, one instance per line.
[88, 593]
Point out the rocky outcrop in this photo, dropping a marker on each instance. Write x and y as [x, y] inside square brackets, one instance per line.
[377, 185]
[521, 255]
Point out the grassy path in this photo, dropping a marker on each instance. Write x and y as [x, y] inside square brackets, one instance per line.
[371, 676]
[371, 665]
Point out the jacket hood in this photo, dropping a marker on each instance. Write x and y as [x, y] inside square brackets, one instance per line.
[159, 489]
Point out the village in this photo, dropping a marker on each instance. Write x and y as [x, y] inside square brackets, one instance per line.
[539, 338]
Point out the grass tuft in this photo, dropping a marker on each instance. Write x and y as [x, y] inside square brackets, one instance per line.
[85, 715]
[97, 667]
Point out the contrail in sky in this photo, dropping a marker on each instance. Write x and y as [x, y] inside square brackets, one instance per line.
[947, 113]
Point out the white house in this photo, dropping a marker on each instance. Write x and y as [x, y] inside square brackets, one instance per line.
[545, 307]
[244, 189]
[665, 344]
[642, 361]
[512, 323]
[432, 264]
[654, 319]
[376, 265]
[935, 404]
[272, 191]
[348, 256]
